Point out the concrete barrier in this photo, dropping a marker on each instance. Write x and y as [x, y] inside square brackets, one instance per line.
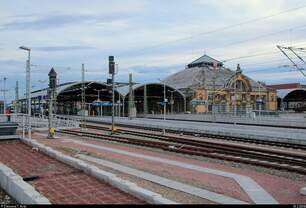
[112, 179]
[16, 187]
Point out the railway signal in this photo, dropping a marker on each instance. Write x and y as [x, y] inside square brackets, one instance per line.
[52, 92]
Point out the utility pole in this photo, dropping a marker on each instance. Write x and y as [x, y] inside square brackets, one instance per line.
[235, 93]
[214, 95]
[165, 108]
[119, 106]
[112, 72]
[52, 91]
[83, 98]
[28, 84]
[131, 105]
[145, 100]
[260, 99]
[17, 97]
[4, 90]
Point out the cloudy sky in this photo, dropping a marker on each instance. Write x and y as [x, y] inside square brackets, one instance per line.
[149, 38]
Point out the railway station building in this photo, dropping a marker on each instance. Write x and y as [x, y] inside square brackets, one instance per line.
[208, 86]
[203, 86]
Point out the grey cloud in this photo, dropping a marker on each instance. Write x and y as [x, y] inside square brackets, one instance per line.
[12, 67]
[159, 70]
[58, 20]
[63, 48]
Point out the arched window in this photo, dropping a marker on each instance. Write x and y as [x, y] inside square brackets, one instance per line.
[240, 86]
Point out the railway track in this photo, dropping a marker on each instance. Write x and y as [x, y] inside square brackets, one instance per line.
[256, 156]
[213, 136]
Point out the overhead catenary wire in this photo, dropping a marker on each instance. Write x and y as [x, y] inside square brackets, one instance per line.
[262, 53]
[221, 28]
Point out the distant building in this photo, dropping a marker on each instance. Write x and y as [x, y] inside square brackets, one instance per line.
[207, 83]
[290, 96]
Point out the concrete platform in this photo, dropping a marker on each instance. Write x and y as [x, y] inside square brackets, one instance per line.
[251, 187]
[296, 136]
[58, 182]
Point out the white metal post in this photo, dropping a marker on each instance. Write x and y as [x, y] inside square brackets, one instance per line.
[29, 92]
[28, 83]
[260, 99]
[235, 97]
[83, 98]
[164, 130]
[4, 97]
[123, 107]
[119, 106]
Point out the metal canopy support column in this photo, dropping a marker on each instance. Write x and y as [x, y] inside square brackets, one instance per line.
[131, 105]
[17, 98]
[83, 98]
[145, 100]
[123, 108]
[185, 104]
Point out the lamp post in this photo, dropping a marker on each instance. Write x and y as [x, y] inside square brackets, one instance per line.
[4, 96]
[112, 72]
[28, 83]
[164, 103]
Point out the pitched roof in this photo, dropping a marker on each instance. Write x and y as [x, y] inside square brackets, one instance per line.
[204, 59]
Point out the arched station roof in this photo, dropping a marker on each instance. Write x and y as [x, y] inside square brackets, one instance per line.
[284, 92]
[124, 91]
[65, 87]
[61, 88]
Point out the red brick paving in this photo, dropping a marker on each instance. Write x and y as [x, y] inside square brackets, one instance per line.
[207, 181]
[60, 183]
[282, 189]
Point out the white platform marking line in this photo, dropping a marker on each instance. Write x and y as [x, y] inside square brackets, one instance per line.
[203, 193]
[255, 192]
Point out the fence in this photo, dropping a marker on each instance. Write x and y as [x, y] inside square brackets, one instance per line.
[282, 119]
[40, 122]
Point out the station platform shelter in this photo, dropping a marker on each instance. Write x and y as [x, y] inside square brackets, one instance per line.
[146, 98]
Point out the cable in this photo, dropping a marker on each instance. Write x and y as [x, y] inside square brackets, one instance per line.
[264, 53]
[222, 28]
[259, 37]
[249, 56]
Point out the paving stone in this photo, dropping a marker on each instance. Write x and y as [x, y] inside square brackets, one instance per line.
[54, 180]
[219, 198]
